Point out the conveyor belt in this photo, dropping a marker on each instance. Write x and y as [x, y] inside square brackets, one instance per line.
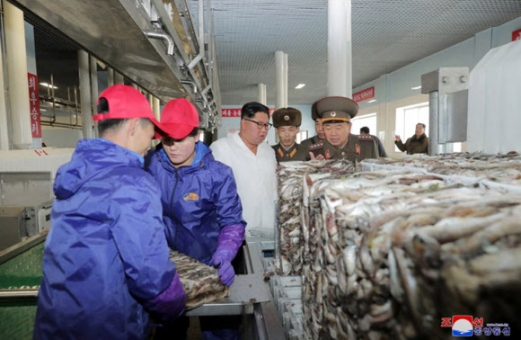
[17, 320]
[24, 270]
[20, 269]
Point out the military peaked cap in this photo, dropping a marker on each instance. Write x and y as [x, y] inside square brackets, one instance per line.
[336, 108]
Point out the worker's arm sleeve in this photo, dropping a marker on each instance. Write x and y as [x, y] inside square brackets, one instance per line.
[140, 238]
[400, 145]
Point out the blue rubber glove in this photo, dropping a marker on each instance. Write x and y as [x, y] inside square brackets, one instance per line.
[230, 239]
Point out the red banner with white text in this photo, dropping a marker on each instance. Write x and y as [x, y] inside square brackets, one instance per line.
[236, 112]
[34, 104]
[364, 94]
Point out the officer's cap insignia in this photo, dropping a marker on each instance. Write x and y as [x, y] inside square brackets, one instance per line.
[286, 117]
[333, 113]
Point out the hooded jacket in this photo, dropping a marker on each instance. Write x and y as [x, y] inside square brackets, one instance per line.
[199, 200]
[106, 253]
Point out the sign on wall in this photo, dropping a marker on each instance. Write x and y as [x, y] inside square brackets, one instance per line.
[364, 94]
[34, 105]
[236, 112]
[516, 35]
[231, 113]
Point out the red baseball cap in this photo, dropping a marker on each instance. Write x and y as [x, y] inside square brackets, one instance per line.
[178, 118]
[125, 102]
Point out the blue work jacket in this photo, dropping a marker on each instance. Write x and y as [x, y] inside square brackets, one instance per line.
[198, 201]
[106, 251]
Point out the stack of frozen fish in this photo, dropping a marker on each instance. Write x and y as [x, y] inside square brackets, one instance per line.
[289, 176]
[388, 254]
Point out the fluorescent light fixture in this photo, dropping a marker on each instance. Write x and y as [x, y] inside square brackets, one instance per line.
[371, 101]
[416, 87]
[48, 85]
[299, 86]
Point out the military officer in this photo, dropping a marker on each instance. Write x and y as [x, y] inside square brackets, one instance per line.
[340, 143]
[287, 125]
[318, 127]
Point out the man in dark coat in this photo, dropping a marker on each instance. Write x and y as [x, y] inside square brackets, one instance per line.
[340, 143]
[418, 143]
[287, 125]
[364, 131]
[319, 137]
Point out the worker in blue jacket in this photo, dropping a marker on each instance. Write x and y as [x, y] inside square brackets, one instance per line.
[201, 207]
[106, 262]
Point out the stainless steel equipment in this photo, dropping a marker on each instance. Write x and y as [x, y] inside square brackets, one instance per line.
[25, 205]
[448, 100]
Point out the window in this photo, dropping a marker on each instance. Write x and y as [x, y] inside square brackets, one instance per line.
[301, 136]
[406, 119]
[368, 120]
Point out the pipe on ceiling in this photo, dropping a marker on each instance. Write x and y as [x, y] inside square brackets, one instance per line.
[169, 40]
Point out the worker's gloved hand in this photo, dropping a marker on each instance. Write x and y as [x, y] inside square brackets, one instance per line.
[170, 303]
[226, 272]
[222, 259]
[230, 239]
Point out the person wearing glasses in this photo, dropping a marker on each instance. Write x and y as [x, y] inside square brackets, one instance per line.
[201, 208]
[287, 124]
[340, 143]
[253, 163]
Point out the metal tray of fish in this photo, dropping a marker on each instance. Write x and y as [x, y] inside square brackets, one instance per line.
[201, 283]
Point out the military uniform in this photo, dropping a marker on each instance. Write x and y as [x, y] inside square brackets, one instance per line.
[289, 117]
[357, 148]
[307, 142]
[296, 153]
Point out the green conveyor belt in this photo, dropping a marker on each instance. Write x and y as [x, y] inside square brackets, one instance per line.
[21, 272]
[17, 320]
[24, 270]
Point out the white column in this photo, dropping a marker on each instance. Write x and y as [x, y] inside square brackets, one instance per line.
[339, 52]
[18, 87]
[4, 129]
[156, 107]
[279, 84]
[94, 92]
[110, 76]
[285, 80]
[85, 99]
[261, 93]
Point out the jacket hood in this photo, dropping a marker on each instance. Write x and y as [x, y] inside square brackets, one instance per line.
[92, 157]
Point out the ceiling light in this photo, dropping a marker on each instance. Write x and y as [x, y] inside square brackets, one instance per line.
[416, 87]
[48, 85]
[371, 101]
[299, 86]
